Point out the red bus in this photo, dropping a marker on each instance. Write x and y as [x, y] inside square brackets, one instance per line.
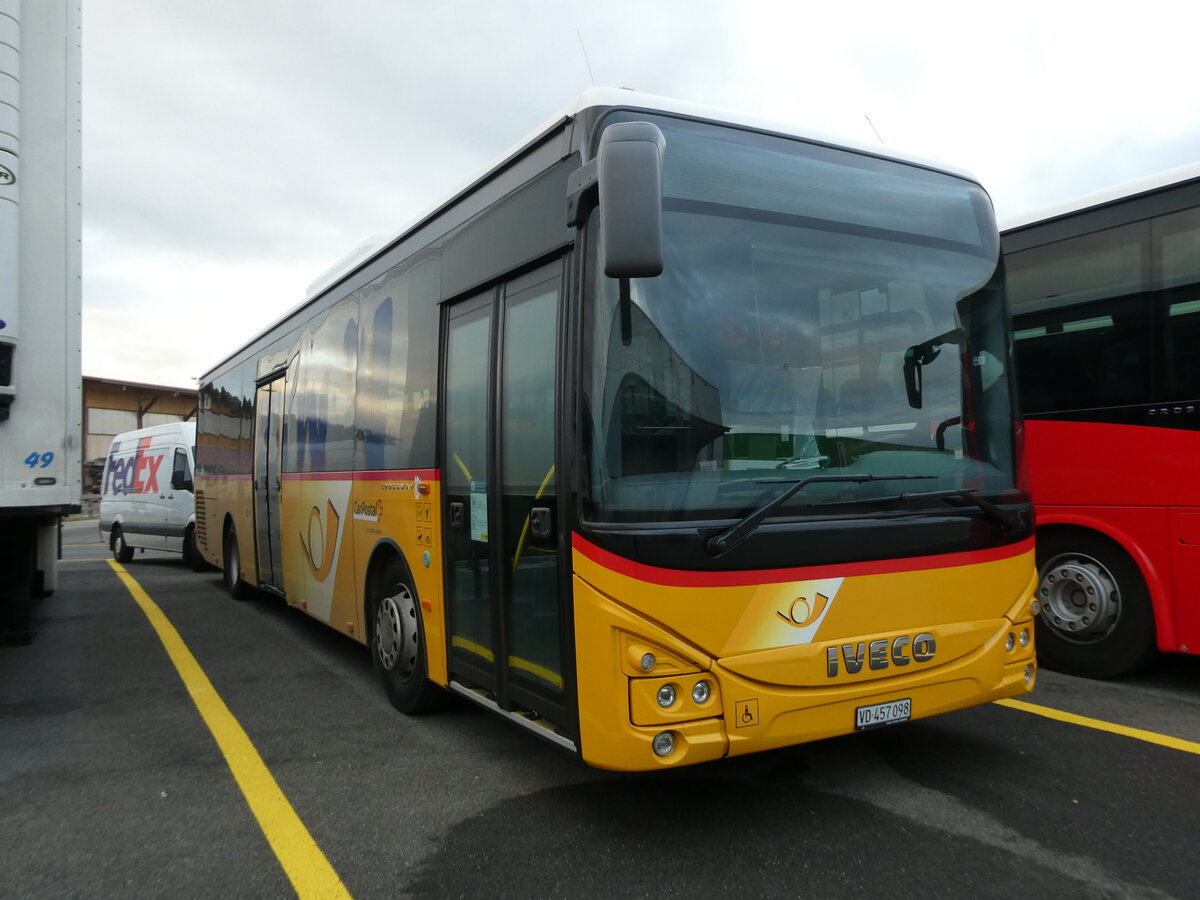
[1105, 298]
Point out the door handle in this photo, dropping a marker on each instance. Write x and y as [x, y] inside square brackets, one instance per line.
[458, 516]
[540, 522]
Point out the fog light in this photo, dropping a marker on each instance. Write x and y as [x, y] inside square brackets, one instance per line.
[1010, 642]
[666, 695]
[1024, 637]
[701, 691]
[1029, 674]
[647, 662]
[664, 743]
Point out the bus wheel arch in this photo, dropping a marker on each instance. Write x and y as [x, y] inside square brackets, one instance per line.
[396, 633]
[1096, 617]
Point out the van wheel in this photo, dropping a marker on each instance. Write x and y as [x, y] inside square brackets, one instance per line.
[233, 568]
[1096, 619]
[191, 553]
[121, 551]
[398, 642]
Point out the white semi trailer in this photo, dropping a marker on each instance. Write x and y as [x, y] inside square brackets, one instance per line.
[40, 270]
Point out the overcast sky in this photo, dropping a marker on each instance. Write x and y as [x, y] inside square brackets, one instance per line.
[235, 149]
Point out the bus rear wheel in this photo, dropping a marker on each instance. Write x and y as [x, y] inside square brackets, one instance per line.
[232, 568]
[1096, 619]
[398, 642]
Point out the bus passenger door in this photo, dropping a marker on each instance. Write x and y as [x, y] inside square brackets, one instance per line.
[268, 432]
[502, 547]
[465, 473]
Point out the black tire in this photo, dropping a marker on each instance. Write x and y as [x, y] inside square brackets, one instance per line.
[191, 553]
[121, 551]
[231, 573]
[398, 641]
[1096, 619]
[16, 612]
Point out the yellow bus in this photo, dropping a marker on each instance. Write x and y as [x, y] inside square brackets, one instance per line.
[674, 436]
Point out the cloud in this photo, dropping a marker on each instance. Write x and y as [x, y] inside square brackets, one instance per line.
[233, 151]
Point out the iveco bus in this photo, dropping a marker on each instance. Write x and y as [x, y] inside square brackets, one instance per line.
[674, 436]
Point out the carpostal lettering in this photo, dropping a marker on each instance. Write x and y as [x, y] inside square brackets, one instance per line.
[881, 654]
[136, 474]
[368, 512]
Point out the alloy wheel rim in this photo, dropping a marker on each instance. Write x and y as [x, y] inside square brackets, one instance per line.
[396, 632]
[1080, 598]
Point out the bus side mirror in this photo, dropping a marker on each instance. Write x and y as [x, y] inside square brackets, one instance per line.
[919, 355]
[630, 176]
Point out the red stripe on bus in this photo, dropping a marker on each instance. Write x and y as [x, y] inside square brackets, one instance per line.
[380, 475]
[688, 578]
[395, 474]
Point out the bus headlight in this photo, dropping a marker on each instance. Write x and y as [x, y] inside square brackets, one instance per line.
[1024, 637]
[666, 696]
[1010, 642]
[648, 661]
[701, 691]
[664, 743]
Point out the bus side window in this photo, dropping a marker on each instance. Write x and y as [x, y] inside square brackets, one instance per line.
[1174, 239]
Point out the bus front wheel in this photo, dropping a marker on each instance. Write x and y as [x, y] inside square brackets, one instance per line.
[398, 641]
[1096, 619]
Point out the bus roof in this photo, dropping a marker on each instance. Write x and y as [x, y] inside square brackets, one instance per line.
[1147, 184]
[617, 98]
[597, 97]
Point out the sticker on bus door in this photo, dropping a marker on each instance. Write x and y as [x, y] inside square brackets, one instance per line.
[479, 511]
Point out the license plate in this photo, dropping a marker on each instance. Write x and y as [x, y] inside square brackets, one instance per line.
[878, 714]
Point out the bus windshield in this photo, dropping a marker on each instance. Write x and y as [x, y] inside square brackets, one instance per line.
[820, 312]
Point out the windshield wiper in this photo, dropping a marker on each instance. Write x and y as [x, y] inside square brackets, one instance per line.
[722, 543]
[1013, 521]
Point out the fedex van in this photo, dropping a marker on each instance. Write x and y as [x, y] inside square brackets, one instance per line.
[147, 498]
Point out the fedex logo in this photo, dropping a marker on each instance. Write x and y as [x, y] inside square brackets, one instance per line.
[137, 474]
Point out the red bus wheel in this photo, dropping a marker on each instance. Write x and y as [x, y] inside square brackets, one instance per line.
[1096, 619]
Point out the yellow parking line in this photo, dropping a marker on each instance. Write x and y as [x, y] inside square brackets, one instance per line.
[1152, 737]
[302, 860]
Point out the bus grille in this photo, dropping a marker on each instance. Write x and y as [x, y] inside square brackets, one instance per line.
[201, 520]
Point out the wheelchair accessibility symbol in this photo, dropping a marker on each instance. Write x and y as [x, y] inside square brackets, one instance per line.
[745, 713]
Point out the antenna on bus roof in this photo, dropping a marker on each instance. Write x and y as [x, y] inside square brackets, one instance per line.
[873, 128]
[586, 61]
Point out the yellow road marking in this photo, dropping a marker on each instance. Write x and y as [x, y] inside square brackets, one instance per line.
[302, 860]
[1152, 737]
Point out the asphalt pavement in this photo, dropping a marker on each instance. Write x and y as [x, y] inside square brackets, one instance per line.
[111, 783]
